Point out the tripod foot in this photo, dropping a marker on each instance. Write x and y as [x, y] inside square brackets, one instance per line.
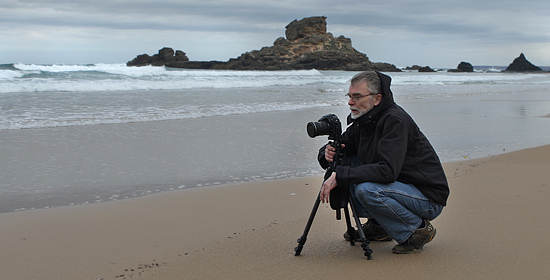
[298, 249]
[367, 249]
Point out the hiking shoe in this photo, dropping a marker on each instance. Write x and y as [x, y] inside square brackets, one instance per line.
[416, 242]
[373, 232]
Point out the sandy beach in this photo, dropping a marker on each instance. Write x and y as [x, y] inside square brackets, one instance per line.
[493, 228]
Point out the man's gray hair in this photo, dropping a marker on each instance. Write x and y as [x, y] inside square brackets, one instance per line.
[372, 80]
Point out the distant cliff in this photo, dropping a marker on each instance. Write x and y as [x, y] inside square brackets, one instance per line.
[307, 45]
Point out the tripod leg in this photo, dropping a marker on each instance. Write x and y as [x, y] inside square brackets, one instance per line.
[364, 241]
[303, 238]
[351, 230]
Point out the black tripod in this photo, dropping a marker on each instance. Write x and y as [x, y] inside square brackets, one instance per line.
[339, 196]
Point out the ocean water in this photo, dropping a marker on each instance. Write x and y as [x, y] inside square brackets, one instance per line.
[75, 134]
[40, 96]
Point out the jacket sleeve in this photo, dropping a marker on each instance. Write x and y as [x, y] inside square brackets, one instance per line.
[390, 151]
[321, 157]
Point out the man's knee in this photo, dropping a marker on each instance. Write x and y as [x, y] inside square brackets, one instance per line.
[367, 193]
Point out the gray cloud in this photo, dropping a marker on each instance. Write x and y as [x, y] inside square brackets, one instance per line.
[428, 26]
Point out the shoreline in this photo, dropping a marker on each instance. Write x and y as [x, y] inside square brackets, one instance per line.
[49, 168]
[491, 228]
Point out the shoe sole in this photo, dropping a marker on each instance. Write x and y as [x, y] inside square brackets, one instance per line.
[384, 238]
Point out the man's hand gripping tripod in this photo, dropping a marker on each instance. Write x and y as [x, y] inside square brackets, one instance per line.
[339, 196]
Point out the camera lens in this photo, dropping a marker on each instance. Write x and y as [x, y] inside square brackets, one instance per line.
[315, 129]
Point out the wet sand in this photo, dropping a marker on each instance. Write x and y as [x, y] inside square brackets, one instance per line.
[493, 228]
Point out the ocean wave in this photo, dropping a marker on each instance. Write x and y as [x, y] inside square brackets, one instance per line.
[118, 77]
[9, 66]
[39, 96]
[458, 78]
[106, 85]
[97, 115]
[10, 75]
[122, 69]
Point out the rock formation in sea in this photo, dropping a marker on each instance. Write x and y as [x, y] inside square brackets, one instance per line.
[412, 68]
[164, 56]
[307, 45]
[425, 69]
[419, 68]
[463, 67]
[521, 64]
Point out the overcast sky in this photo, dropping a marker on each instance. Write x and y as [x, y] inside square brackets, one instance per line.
[437, 33]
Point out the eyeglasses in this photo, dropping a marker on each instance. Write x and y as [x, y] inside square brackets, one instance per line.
[356, 96]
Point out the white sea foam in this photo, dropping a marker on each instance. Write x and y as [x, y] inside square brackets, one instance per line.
[10, 74]
[34, 96]
[118, 77]
[106, 115]
[458, 78]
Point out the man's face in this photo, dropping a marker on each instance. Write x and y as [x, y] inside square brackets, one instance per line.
[362, 100]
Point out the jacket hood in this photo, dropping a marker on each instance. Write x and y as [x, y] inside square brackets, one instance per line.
[387, 101]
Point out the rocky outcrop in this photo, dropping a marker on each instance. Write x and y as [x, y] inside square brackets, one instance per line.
[307, 45]
[163, 57]
[308, 26]
[425, 69]
[412, 68]
[521, 64]
[419, 68]
[463, 67]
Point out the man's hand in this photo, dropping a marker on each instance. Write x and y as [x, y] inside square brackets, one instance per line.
[328, 185]
[330, 151]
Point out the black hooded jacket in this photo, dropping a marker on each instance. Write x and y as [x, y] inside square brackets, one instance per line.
[391, 148]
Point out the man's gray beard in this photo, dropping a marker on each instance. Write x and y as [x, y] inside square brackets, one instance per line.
[358, 115]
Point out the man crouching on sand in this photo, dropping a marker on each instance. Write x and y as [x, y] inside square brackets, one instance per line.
[395, 178]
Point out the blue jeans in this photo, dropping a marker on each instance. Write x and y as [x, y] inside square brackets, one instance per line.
[398, 207]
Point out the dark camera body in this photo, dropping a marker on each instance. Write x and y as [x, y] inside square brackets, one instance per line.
[327, 125]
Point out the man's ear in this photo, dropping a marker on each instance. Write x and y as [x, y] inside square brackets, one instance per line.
[377, 99]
